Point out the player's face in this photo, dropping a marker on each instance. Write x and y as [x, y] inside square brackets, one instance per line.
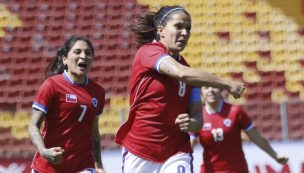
[79, 61]
[175, 34]
[211, 95]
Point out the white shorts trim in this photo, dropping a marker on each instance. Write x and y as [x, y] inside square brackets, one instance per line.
[88, 170]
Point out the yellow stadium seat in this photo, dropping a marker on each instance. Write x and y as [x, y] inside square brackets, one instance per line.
[21, 119]
[279, 96]
[6, 119]
[251, 76]
[117, 102]
[293, 86]
[111, 120]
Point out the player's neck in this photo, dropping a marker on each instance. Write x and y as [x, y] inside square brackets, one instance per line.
[214, 107]
[76, 79]
[175, 56]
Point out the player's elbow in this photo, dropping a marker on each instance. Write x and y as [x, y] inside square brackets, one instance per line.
[184, 74]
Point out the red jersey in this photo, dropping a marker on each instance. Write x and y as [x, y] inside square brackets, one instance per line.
[156, 101]
[221, 139]
[70, 111]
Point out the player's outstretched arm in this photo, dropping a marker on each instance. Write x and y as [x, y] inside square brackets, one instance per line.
[260, 141]
[199, 78]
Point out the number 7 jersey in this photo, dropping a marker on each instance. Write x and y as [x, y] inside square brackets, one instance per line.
[70, 110]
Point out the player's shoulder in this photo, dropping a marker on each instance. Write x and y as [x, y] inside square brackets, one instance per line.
[151, 47]
[53, 79]
[236, 108]
[96, 85]
[154, 44]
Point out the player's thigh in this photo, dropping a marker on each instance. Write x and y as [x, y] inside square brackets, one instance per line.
[179, 163]
[134, 164]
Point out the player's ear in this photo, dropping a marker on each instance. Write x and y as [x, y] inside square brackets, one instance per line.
[64, 60]
[161, 31]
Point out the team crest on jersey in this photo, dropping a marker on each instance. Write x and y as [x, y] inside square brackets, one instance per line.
[71, 98]
[94, 102]
[227, 122]
[207, 126]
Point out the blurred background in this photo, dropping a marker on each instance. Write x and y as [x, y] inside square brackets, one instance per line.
[259, 42]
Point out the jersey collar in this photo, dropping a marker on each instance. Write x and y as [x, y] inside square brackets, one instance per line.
[67, 77]
[177, 59]
[219, 108]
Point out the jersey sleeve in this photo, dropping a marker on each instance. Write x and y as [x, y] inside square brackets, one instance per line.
[152, 55]
[244, 120]
[44, 97]
[195, 95]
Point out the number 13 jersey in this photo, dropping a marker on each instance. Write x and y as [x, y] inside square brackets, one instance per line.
[221, 139]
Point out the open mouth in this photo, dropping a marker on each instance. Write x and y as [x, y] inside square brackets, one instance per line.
[82, 65]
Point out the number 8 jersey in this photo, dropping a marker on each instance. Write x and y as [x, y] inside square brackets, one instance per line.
[156, 100]
[70, 110]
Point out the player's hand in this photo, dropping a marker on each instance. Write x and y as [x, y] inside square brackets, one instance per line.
[99, 167]
[53, 155]
[237, 89]
[99, 170]
[281, 159]
[184, 122]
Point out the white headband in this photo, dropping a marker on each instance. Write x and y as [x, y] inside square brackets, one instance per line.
[174, 9]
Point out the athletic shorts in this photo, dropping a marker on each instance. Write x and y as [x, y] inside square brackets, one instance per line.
[179, 163]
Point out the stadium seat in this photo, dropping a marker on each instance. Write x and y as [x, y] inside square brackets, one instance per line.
[6, 120]
[248, 41]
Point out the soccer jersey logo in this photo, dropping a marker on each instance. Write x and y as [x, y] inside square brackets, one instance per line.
[227, 122]
[95, 102]
[207, 126]
[71, 98]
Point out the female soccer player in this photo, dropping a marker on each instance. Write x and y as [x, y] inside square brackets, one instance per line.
[68, 105]
[165, 104]
[221, 135]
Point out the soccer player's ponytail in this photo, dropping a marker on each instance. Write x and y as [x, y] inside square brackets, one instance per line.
[144, 28]
[56, 66]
